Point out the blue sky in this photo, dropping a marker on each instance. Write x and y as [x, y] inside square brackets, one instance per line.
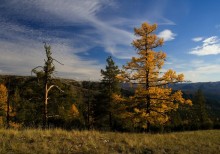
[83, 33]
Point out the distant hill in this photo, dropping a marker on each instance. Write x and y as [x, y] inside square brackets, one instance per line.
[207, 87]
[210, 89]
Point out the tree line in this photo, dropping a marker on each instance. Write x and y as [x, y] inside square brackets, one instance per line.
[137, 97]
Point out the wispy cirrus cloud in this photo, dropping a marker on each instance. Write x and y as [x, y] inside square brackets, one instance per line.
[71, 27]
[21, 43]
[56, 14]
[210, 46]
[167, 35]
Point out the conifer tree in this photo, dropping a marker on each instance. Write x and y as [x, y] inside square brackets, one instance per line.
[199, 103]
[110, 85]
[153, 98]
[199, 110]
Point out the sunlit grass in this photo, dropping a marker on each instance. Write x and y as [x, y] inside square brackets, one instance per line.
[61, 141]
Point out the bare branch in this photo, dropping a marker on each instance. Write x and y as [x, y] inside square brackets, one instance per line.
[58, 62]
[55, 87]
[36, 68]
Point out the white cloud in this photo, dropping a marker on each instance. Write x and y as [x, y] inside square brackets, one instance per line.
[205, 73]
[197, 39]
[210, 41]
[196, 70]
[210, 46]
[167, 35]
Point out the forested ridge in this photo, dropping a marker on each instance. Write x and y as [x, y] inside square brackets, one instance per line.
[138, 97]
[30, 115]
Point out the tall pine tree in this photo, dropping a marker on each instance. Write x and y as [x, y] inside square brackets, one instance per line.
[199, 111]
[110, 86]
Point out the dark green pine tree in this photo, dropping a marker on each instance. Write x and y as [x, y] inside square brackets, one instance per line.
[110, 85]
[200, 110]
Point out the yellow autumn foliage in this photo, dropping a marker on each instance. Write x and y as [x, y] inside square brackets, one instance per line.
[3, 104]
[153, 98]
[74, 111]
[3, 107]
[15, 125]
[3, 97]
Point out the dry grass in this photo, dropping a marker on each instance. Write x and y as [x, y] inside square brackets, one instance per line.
[76, 142]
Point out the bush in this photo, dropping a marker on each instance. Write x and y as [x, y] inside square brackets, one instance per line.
[207, 125]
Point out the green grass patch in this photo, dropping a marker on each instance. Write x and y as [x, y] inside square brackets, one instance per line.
[61, 141]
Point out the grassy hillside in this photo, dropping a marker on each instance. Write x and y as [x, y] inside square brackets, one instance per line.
[60, 141]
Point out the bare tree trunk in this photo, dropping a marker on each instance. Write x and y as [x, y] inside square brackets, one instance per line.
[45, 117]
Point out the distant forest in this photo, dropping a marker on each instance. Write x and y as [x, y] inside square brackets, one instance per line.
[139, 97]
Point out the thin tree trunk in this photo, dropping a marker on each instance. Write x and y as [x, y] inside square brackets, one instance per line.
[88, 109]
[8, 106]
[45, 119]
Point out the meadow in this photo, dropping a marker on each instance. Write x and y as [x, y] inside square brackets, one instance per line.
[76, 142]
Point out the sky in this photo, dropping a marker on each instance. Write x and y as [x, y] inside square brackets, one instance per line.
[83, 33]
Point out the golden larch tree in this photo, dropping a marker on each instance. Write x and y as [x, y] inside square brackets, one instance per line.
[7, 112]
[3, 102]
[153, 98]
